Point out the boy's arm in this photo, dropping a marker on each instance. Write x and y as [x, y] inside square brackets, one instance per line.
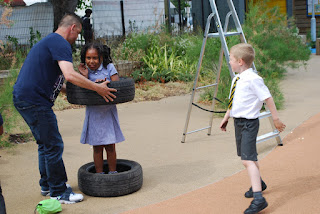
[224, 122]
[273, 110]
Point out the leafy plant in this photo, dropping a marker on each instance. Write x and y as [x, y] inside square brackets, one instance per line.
[34, 37]
[276, 45]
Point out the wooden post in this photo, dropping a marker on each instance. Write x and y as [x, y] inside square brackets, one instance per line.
[318, 46]
[122, 19]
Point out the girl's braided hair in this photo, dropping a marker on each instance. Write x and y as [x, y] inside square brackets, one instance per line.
[103, 51]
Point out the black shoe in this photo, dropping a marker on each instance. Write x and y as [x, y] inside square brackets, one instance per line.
[249, 193]
[256, 206]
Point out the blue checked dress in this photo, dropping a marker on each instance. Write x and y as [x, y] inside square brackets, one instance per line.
[101, 124]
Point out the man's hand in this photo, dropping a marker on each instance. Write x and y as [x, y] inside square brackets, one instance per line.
[105, 91]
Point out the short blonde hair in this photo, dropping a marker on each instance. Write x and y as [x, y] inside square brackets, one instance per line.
[243, 51]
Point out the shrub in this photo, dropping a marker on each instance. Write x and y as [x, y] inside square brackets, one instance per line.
[276, 45]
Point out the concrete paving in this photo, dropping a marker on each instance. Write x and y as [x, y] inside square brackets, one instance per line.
[153, 132]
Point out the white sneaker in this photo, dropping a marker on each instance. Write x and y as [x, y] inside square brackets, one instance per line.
[69, 197]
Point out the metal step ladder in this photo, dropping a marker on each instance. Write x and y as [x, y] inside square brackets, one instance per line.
[222, 34]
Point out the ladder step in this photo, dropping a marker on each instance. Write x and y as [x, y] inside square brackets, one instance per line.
[264, 114]
[268, 136]
[198, 130]
[215, 35]
[206, 86]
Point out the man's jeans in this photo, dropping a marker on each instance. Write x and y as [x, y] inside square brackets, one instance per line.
[2, 204]
[43, 124]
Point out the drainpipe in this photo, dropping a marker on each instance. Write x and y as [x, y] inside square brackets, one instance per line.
[313, 24]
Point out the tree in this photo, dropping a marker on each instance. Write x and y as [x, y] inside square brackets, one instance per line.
[60, 8]
[84, 4]
[183, 3]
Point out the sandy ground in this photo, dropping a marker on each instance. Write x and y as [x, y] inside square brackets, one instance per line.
[291, 172]
[153, 132]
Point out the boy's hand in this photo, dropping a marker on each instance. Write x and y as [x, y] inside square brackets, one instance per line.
[223, 125]
[279, 125]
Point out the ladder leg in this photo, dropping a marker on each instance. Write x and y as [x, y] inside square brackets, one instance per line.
[278, 138]
[216, 90]
[226, 24]
[197, 77]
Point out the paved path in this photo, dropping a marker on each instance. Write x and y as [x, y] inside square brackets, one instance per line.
[153, 132]
[291, 173]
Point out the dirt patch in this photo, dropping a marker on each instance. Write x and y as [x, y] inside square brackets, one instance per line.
[20, 138]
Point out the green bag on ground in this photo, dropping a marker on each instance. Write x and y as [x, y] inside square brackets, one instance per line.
[48, 206]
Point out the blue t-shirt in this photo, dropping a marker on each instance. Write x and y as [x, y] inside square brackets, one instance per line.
[40, 78]
[1, 120]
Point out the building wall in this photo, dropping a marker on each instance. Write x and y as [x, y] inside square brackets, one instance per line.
[201, 12]
[39, 16]
[138, 15]
[303, 22]
[282, 4]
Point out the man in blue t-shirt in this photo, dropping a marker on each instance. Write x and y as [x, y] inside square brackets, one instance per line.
[40, 80]
[2, 204]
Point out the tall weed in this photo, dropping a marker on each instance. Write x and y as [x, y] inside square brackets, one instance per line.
[13, 122]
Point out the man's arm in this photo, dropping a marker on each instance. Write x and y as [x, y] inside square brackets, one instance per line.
[77, 79]
[1, 125]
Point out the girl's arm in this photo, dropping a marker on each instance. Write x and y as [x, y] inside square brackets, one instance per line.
[64, 88]
[115, 77]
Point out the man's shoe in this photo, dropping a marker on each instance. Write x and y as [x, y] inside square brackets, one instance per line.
[256, 206]
[69, 197]
[249, 193]
[47, 192]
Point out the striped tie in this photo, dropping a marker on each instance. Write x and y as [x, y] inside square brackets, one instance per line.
[232, 93]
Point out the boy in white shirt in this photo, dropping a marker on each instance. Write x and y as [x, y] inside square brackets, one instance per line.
[247, 94]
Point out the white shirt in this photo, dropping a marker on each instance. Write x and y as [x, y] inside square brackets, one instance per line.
[249, 95]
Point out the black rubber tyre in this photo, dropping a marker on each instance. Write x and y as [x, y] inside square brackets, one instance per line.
[128, 179]
[81, 96]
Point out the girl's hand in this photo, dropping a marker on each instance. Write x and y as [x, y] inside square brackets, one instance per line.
[101, 80]
[83, 69]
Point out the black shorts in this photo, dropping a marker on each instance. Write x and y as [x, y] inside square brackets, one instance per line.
[246, 132]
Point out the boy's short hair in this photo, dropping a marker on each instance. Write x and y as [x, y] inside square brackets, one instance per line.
[243, 51]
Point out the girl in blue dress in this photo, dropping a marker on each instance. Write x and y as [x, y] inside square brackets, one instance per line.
[101, 127]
